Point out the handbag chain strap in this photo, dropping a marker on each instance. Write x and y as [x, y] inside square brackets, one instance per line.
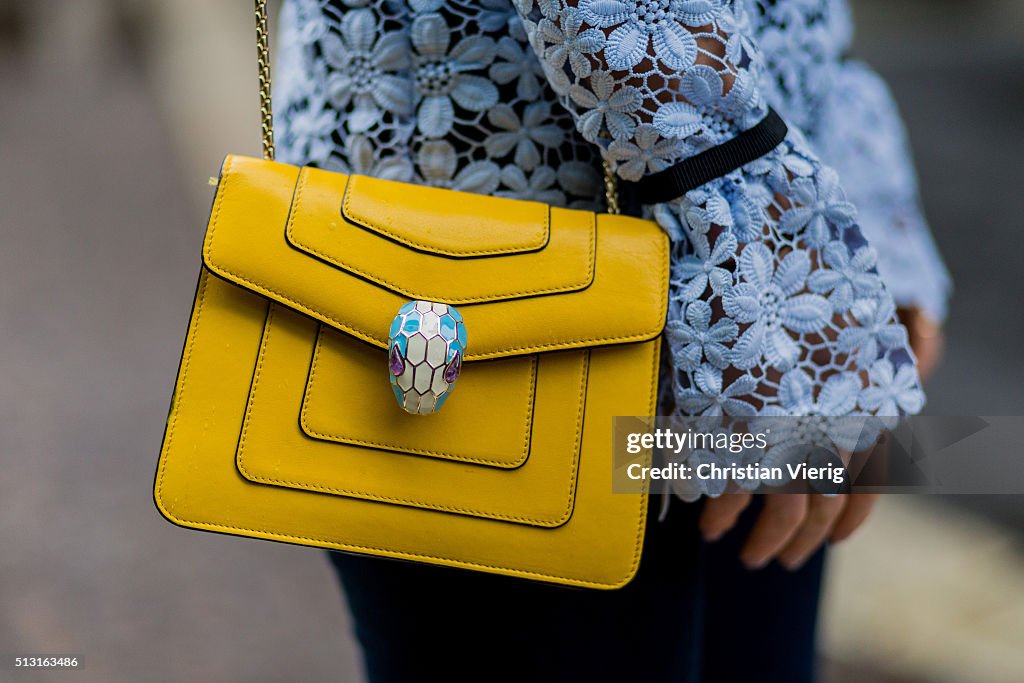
[611, 193]
[263, 62]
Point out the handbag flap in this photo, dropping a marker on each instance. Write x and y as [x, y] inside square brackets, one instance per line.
[597, 279]
[317, 226]
[476, 225]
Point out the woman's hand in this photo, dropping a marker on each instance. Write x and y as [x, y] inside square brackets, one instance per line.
[926, 339]
[791, 526]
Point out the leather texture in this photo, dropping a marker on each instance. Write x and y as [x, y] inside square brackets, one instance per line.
[283, 425]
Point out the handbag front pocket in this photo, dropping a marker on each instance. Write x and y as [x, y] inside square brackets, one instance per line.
[275, 448]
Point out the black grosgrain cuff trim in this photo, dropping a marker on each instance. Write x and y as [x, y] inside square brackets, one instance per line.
[689, 174]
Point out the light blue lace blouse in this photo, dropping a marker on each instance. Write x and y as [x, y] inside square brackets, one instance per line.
[782, 299]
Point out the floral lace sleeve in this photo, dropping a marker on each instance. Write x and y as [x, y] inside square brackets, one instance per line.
[861, 134]
[776, 306]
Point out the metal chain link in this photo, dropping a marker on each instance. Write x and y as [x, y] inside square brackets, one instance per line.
[263, 61]
[611, 188]
[611, 185]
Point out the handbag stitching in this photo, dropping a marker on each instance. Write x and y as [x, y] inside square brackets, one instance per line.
[308, 397]
[292, 237]
[346, 210]
[357, 547]
[240, 458]
[271, 293]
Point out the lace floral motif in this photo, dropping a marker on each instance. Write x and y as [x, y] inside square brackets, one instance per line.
[440, 93]
[777, 306]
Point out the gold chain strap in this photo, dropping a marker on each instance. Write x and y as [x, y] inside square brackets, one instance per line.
[611, 187]
[263, 61]
[611, 192]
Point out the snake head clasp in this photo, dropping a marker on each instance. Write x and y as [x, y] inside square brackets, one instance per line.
[426, 346]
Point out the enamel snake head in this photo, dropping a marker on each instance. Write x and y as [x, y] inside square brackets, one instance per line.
[426, 346]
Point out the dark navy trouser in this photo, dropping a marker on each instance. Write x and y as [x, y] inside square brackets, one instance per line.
[693, 613]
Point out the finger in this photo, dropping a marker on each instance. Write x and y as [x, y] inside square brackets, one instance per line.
[720, 514]
[928, 351]
[926, 339]
[779, 519]
[857, 509]
[822, 512]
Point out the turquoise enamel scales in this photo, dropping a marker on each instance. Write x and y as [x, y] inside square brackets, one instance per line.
[426, 344]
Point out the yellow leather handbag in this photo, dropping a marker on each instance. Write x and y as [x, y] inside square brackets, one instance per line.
[284, 423]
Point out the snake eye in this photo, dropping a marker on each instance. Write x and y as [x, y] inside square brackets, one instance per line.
[451, 373]
[395, 361]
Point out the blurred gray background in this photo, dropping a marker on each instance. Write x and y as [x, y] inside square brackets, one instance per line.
[113, 115]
